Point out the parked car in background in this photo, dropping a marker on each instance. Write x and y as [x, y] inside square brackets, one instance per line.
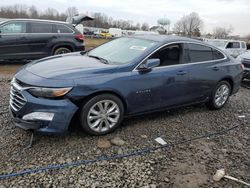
[124, 77]
[33, 39]
[245, 60]
[115, 32]
[232, 47]
[105, 34]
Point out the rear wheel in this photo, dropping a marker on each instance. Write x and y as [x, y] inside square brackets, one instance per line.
[102, 114]
[62, 50]
[220, 95]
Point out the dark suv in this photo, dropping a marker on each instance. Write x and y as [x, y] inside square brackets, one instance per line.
[34, 39]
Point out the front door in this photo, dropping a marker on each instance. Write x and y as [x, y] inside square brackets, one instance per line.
[163, 86]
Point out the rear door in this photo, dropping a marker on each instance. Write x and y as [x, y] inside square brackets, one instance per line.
[204, 70]
[40, 36]
[13, 40]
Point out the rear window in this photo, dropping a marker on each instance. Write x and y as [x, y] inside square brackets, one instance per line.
[41, 28]
[63, 29]
[13, 27]
[199, 53]
[233, 45]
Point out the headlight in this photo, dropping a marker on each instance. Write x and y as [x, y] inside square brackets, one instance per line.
[49, 92]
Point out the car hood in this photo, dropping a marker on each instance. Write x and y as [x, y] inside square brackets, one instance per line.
[245, 55]
[69, 66]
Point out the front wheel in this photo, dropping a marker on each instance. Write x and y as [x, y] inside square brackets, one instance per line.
[102, 114]
[220, 95]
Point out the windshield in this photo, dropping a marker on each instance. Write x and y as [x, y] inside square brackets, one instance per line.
[122, 50]
[218, 44]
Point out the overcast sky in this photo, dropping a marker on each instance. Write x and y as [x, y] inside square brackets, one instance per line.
[213, 12]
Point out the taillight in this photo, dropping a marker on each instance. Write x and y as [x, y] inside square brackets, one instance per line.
[79, 37]
[242, 67]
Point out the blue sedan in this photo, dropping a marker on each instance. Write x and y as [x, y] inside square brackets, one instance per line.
[124, 77]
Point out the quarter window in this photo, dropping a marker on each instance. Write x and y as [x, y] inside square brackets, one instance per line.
[63, 29]
[41, 28]
[199, 53]
[217, 55]
[14, 27]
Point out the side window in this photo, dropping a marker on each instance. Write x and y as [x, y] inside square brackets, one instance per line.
[41, 27]
[170, 55]
[243, 45]
[63, 29]
[14, 27]
[217, 55]
[233, 45]
[199, 53]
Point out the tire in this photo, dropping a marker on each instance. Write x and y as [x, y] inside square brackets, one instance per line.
[214, 102]
[91, 114]
[62, 50]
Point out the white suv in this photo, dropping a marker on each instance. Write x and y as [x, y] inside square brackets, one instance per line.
[233, 47]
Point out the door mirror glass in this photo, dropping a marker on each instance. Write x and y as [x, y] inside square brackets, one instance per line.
[149, 64]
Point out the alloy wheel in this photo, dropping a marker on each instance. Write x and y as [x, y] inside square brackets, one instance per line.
[103, 115]
[221, 95]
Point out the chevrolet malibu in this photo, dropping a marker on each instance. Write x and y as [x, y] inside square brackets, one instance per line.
[125, 77]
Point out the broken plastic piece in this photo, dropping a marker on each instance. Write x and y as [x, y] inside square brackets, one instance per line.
[161, 141]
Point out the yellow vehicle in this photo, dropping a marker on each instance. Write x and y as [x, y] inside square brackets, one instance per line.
[106, 34]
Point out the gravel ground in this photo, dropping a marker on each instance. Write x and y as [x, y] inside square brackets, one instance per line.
[187, 165]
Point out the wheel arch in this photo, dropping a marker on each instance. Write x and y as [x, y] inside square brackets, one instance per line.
[230, 81]
[61, 45]
[117, 94]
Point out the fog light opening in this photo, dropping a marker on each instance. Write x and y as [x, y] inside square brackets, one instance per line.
[45, 116]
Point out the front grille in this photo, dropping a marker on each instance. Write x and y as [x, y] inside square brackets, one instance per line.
[17, 100]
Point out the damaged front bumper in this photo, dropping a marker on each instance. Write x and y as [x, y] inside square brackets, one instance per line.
[40, 114]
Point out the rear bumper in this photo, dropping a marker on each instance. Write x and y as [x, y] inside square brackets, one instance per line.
[80, 48]
[63, 111]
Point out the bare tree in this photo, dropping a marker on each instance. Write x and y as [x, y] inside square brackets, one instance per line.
[189, 24]
[33, 13]
[50, 13]
[145, 27]
[101, 20]
[71, 11]
[222, 32]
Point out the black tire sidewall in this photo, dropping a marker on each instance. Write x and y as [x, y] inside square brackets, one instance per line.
[60, 49]
[86, 107]
[212, 99]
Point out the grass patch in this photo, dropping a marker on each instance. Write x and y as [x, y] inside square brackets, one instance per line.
[94, 42]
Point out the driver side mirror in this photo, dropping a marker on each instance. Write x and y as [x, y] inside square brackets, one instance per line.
[149, 64]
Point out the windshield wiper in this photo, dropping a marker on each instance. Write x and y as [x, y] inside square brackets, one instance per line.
[105, 61]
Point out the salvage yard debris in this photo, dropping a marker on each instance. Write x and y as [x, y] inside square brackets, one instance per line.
[191, 165]
[222, 174]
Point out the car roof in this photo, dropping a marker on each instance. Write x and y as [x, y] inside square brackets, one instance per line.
[36, 20]
[165, 38]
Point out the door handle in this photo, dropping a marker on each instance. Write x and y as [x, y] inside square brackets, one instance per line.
[181, 72]
[215, 68]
